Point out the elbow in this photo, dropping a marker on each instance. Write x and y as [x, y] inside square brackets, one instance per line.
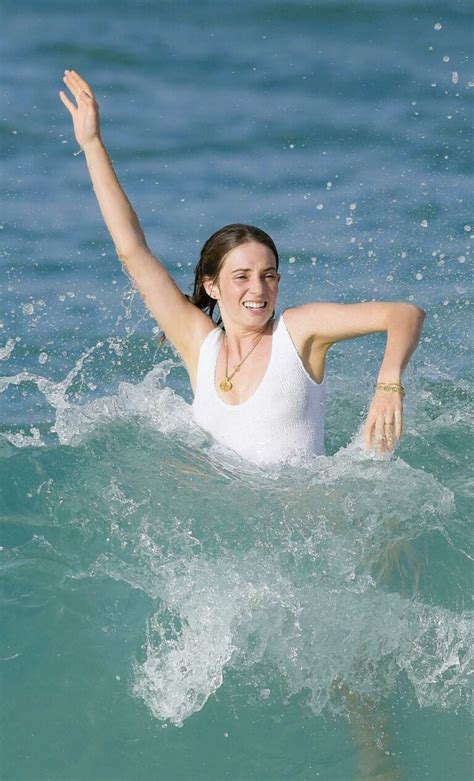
[122, 255]
[416, 311]
[420, 313]
[127, 252]
[406, 313]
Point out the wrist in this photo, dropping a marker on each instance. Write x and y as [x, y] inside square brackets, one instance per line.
[390, 387]
[386, 375]
[92, 145]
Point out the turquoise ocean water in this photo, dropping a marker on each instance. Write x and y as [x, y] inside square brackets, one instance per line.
[168, 611]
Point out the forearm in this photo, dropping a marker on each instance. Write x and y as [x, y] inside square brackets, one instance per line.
[403, 334]
[119, 216]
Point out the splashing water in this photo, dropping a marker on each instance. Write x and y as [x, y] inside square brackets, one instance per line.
[313, 573]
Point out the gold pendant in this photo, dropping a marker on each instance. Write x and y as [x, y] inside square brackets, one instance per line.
[225, 385]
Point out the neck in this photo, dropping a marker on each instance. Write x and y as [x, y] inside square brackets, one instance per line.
[240, 340]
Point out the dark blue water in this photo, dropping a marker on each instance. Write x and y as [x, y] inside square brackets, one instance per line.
[169, 612]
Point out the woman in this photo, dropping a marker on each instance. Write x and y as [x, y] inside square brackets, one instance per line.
[258, 383]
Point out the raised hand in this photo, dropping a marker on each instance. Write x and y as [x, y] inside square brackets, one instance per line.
[85, 115]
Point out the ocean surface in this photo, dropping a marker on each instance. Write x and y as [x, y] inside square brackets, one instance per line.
[168, 611]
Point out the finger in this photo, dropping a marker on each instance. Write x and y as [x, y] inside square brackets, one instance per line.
[388, 426]
[398, 424]
[81, 84]
[70, 85]
[368, 433]
[69, 105]
[379, 434]
[85, 98]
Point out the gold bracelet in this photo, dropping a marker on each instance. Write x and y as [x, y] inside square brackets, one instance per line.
[395, 387]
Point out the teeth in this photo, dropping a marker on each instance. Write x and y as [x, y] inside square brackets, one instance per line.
[251, 305]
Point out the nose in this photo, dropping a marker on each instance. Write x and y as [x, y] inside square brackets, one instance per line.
[257, 285]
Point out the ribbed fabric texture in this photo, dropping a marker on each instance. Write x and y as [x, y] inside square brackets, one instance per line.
[282, 419]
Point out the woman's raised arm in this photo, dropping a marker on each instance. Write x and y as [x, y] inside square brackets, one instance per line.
[184, 324]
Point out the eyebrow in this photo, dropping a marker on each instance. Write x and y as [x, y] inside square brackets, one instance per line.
[269, 268]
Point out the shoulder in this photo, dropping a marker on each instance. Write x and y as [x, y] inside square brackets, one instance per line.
[306, 322]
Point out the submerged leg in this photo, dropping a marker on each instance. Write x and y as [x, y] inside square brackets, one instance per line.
[375, 761]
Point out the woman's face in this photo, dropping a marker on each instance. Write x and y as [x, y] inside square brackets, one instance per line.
[247, 286]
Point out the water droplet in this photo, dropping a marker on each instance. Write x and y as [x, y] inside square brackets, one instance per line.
[419, 275]
[467, 228]
[28, 309]
[445, 58]
[424, 223]
[292, 259]
[265, 693]
[349, 220]
[462, 258]
[328, 185]
[319, 206]
[43, 357]
[455, 77]
[6, 351]
[438, 26]
[352, 207]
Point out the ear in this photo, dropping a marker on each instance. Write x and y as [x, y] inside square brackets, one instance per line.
[210, 287]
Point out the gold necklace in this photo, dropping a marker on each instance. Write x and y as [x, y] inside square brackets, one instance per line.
[226, 384]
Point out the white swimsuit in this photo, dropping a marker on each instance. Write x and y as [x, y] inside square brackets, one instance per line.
[282, 419]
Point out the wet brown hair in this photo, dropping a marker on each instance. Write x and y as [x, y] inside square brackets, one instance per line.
[212, 258]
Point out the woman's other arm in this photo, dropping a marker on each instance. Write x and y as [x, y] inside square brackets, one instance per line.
[184, 324]
[328, 323]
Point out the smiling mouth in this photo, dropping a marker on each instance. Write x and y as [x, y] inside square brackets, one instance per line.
[254, 305]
